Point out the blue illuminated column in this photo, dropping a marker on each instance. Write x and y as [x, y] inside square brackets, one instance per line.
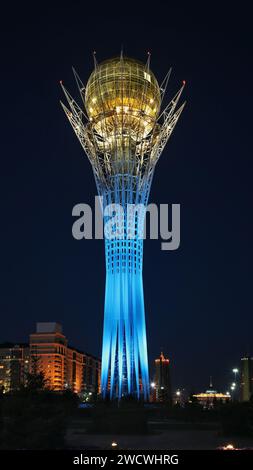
[124, 354]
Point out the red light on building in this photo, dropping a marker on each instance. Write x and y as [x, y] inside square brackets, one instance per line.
[161, 387]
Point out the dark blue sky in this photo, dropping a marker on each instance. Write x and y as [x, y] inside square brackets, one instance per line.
[199, 298]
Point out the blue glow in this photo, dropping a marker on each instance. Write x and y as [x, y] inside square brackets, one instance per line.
[124, 353]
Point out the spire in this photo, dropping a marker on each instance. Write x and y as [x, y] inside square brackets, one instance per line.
[80, 84]
[95, 59]
[164, 84]
[147, 66]
[121, 52]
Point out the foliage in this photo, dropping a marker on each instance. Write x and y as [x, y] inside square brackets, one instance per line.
[35, 419]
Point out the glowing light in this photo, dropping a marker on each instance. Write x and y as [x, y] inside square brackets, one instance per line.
[228, 447]
[211, 395]
[147, 77]
[114, 444]
[124, 99]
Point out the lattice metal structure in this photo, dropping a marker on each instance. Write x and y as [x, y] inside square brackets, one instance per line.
[123, 132]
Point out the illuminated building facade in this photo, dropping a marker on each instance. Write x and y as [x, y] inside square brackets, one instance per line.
[92, 374]
[48, 350]
[63, 366]
[14, 366]
[162, 382]
[208, 398]
[75, 367]
[246, 378]
[123, 132]
[83, 372]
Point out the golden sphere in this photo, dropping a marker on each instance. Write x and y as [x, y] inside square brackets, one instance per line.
[122, 99]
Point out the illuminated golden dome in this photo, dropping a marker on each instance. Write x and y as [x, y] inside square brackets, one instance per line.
[123, 131]
[122, 100]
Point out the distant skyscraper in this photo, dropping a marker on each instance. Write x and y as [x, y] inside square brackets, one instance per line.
[14, 365]
[246, 378]
[162, 381]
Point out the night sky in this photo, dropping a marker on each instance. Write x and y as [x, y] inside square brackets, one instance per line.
[198, 298]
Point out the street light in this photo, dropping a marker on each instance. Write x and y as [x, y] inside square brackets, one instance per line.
[233, 391]
[235, 372]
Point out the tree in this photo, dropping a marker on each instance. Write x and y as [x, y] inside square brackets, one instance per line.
[35, 380]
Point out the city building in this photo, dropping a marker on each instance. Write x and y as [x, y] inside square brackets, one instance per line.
[14, 366]
[123, 133]
[48, 354]
[74, 370]
[63, 366]
[161, 387]
[246, 386]
[92, 374]
[208, 398]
